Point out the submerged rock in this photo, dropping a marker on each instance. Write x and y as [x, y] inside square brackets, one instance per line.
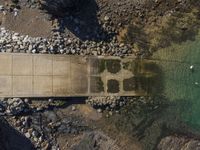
[96, 140]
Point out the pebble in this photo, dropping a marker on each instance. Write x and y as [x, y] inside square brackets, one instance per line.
[28, 135]
[35, 134]
[1, 7]
[99, 110]
[40, 139]
[110, 113]
[26, 100]
[106, 18]
[73, 108]
[39, 109]
[110, 101]
[50, 100]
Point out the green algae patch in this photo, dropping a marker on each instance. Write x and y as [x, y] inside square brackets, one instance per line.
[97, 85]
[147, 76]
[130, 84]
[132, 66]
[113, 66]
[101, 65]
[97, 66]
[113, 86]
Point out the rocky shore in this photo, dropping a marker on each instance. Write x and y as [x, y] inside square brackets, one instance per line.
[14, 42]
[80, 37]
[41, 121]
[96, 29]
[44, 122]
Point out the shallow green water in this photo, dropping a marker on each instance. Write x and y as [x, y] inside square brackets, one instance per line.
[179, 82]
[173, 103]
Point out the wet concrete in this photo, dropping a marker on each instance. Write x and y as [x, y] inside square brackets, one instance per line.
[36, 75]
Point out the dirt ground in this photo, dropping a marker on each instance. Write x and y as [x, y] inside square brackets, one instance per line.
[30, 22]
[34, 22]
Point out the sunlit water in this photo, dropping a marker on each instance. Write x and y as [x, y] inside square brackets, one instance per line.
[180, 83]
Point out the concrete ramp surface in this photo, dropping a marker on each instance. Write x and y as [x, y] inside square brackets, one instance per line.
[37, 75]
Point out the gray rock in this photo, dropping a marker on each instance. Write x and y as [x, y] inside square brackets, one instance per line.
[26, 100]
[39, 109]
[50, 100]
[99, 110]
[73, 108]
[35, 134]
[16, 106]
[1, 7]
[28, 135]
[34, 51]
[106, 18]
[51, 116]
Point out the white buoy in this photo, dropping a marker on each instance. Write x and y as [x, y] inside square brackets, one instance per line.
[196, 83]
[191, 67]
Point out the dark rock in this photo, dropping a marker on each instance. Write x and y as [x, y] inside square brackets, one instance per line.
[2, 108]
[10, 139]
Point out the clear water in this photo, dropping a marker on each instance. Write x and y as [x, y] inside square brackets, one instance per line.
[180, 83]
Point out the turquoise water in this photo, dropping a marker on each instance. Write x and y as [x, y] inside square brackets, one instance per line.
[180, 83]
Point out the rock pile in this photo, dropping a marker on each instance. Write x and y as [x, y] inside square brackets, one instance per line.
[13, 106]
[43, 128]
[71, 125]
[14, 42]
[108, 103]
[40, 124]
